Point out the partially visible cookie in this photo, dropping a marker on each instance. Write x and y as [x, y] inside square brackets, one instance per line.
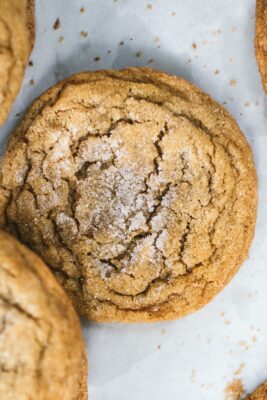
[261, 39]
[136, 188]
[15, 46]
[260, 393]
[31, 19]
[42, 354]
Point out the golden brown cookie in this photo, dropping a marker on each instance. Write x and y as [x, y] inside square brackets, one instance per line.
[136, 188]
[42, 354]
[15, 47]
[31, 19]
[260, 393]
[261, 39]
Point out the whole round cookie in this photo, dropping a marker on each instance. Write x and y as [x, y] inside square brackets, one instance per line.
[261, 39]
[42, 354]
[16, 22]
[260, 393]
[136, 188]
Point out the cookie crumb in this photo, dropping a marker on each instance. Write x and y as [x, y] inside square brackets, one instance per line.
[57, 24]
[149, 7]
[227, 322]
[194, 46]
[254, 339]
[217, 71]
[240, 368]
[61, 39]
[193, 375]
[234, 390]
[217, 32]
[31, 82]
[233, 82]
[82, 10]
[84, 34]
[30, 63]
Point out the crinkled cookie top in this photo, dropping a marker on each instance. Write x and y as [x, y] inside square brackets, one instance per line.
[136, 188]
[14, 51]
[42, 354]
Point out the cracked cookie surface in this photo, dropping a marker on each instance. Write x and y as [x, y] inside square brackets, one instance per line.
[136, 188]
[260, 393]
[42, 355]
[261, 39]
[15, 47]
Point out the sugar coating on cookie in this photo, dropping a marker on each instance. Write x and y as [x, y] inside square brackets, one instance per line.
[261, 39]
[15, 48]
[42, 355]
[260, 393]
[136, 188]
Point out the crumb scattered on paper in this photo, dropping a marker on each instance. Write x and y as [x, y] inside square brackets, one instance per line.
[57, 24]
[240, 368]
[234, 390]
[84, 34]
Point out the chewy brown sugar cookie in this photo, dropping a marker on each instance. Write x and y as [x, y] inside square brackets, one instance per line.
[42, 355]
[16, 22]
[260, 393]
[136, 188]
[261, 39]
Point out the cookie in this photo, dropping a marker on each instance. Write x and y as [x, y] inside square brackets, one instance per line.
[261, 39]
[31, 19]
[42, 354]
[260, 393]
[136, 188]
[15, 47]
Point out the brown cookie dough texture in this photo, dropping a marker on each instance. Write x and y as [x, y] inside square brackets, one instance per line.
[42, 355]
[136, 188]
[15, 47]
[31, 19]
[261, 39]
[260, 393]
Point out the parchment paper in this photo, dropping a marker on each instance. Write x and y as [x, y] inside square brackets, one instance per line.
[209, 42]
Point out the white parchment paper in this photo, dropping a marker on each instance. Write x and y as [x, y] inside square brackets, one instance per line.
[209, 42]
